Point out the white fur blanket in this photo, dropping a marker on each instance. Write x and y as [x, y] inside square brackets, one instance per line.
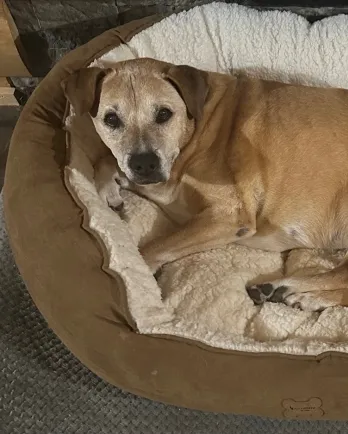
[203, 297]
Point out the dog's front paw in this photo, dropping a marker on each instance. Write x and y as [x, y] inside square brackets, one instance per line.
[110, 194]
[268, 292]
[152, 261]
[154, 265]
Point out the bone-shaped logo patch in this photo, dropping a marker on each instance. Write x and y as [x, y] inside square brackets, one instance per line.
[310, 409]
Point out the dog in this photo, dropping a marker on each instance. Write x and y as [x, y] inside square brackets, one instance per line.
[230, 159]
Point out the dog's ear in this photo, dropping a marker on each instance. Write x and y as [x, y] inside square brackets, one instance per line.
[192, 85]
[83, 88]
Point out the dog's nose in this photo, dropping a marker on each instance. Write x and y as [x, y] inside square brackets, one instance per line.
[144, 164]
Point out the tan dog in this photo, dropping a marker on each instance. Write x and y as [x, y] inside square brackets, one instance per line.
[259, 163]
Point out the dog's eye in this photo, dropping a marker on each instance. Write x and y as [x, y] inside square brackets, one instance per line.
[112, 120]
[163, 115]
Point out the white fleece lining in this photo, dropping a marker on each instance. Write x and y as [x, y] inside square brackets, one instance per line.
[202, 297]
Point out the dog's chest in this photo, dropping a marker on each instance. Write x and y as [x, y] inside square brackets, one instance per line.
[172, 201]
[177, 206]
[178, 212]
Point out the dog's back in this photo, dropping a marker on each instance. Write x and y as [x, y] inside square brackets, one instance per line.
[285, 149]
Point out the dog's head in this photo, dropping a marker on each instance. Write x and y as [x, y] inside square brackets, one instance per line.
[144, 110]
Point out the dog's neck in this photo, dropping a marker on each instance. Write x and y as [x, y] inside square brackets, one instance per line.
[208, 130]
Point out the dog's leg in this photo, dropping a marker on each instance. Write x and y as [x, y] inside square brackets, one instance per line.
[312, 293]
[207, 230]
[106, 178]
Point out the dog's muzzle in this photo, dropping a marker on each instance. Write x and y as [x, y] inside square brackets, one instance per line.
[146, 168]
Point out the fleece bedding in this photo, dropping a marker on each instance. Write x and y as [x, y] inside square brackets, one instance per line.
[202, 297]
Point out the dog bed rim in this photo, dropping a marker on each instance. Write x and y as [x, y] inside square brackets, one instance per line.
[57, 325]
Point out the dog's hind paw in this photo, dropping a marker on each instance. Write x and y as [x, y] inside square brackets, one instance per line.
[315, 301]
[267, 292]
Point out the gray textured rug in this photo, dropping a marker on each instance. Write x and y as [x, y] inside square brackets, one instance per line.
[45, 390]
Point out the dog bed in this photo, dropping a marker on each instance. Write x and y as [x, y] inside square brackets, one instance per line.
[193, 338]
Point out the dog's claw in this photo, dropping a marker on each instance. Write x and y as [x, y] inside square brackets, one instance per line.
[117, 208]
[158, 273]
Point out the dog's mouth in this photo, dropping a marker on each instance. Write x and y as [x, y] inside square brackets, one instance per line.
[155, 178]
